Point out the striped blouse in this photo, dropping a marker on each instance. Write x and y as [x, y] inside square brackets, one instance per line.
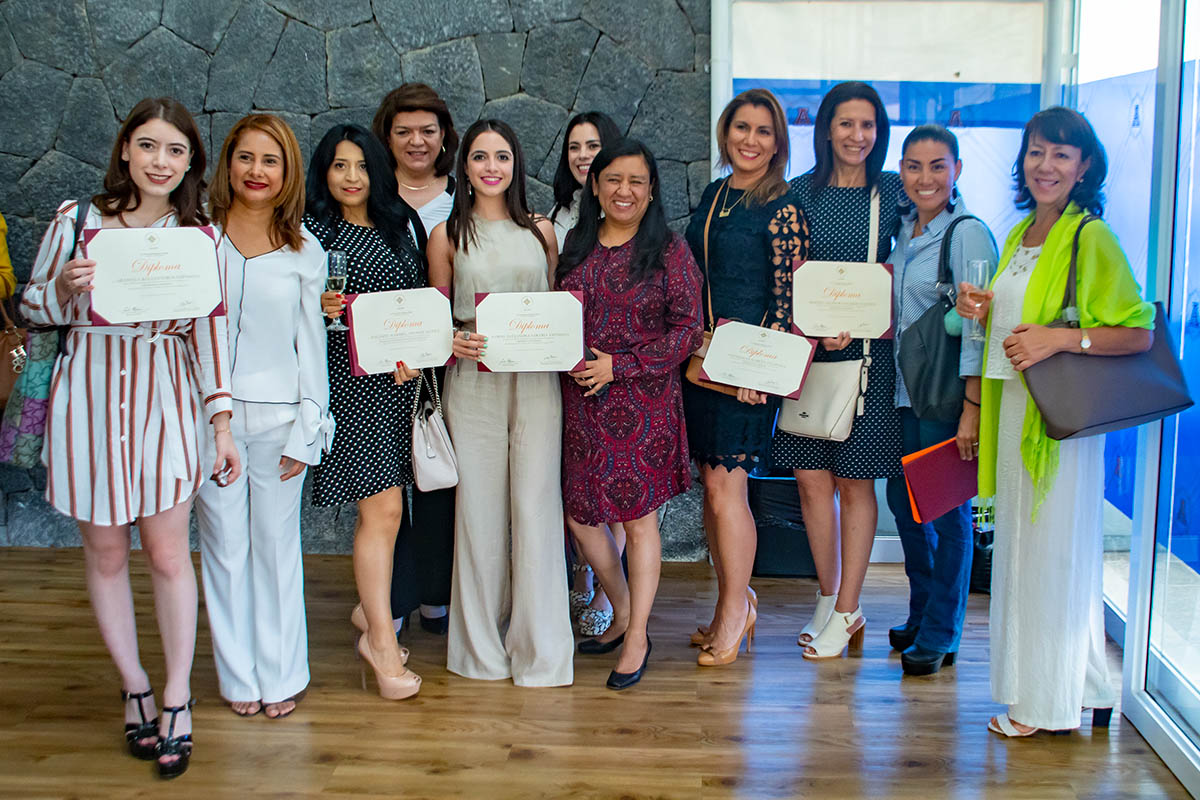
[127, 401]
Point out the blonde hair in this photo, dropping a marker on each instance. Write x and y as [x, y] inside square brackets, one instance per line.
[289, 203]
[773, 184]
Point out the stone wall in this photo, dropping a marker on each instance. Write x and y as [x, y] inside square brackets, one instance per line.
[70, 69]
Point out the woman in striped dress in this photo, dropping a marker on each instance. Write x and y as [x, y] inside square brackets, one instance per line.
[122, 441]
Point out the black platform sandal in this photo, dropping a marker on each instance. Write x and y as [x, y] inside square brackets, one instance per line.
[174, 745]
[137, 732]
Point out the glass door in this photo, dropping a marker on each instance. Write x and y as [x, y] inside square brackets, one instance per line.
[1162, 671]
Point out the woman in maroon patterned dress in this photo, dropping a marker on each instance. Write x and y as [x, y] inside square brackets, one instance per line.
[624, 443]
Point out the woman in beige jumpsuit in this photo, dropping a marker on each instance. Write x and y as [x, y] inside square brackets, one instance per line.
[508, 610]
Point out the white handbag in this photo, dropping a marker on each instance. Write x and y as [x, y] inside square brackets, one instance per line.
[834, 392]
[434, 463]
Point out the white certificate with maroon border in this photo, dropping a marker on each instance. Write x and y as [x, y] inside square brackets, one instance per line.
[150, 274]
[766, 360]
[829, 297]
[530, 331]
[410, 325]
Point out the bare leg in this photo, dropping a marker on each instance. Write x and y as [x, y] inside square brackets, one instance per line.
[165, 542]
[737, 539]
[106, 563]
[375, 531]
[600, 600]
[645, 564]
[820, 511]
[859, 516]
[601, 552]
[710, 535]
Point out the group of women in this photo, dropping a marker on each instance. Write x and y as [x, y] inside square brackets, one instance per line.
[230, 411]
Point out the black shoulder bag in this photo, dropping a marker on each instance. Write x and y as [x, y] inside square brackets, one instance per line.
[1086, 395]
[929, 355]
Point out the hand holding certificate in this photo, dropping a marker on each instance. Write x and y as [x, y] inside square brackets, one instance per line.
[148, 274]
[531, 331]
[766, 360]
[829, 297]
[410, 325]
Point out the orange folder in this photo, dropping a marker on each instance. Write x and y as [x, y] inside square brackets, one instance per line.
[938, 480]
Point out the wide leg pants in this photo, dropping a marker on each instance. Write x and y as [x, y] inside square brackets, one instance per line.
[509, 615]
[251, 563]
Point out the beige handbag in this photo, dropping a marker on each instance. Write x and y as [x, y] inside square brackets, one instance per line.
[434, 463]
[834, 393]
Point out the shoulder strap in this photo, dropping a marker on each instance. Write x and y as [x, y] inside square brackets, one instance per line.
[945, 274]
[1070, 311]
[873, 228]
[712, 323]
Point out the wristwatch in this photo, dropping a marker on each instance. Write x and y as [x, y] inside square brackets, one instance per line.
[1085, 341]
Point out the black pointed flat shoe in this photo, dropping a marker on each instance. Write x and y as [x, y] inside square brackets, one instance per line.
[623, 680]
[595, 647]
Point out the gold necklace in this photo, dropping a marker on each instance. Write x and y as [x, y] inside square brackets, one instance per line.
[418, 188]
[725, 212]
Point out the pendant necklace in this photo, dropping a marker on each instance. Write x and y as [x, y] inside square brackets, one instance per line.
[725, 212]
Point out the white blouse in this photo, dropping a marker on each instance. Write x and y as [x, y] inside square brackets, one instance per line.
[566, 219]
[277, 338]
[1007, 304]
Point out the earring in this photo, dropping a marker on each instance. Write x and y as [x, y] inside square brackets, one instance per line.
[651, 198]
[443, 149]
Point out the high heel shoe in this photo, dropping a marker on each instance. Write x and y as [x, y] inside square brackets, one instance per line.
[703, 636]
[842, 631]
[820, 618]
[391, 687]
[623, 680]
[1101, 717]
[137, 732]
[708, 657]
[902, 637]
[358, 618]
[172, 745]
[916, 660]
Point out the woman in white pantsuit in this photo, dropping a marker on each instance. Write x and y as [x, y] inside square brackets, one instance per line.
[250, 528]
[130, 405]
[509, 615]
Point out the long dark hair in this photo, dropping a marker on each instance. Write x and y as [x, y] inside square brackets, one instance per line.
[385, 208]
[823, 148]
[460, 226]
[565, 184]
[1061, 125]
[416, 97]
[653, 234]
[122, 194]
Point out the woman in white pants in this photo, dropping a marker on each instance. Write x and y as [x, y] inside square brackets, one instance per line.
[250, 528]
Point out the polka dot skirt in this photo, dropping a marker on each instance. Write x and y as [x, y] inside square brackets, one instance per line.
[372, 447]
[839, 220]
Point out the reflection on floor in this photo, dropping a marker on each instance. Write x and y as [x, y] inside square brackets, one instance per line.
[770, 725]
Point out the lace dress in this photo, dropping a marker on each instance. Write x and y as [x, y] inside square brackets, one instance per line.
[749, 278]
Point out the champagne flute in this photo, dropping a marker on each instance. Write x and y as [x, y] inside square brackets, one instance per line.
[977, 276]
[336, 282]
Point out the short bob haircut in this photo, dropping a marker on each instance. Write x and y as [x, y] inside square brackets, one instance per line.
[385, 207]
[289, 203]
[122, 194]
[416, 97]
[565, 184]
[774, 183]
[653, 235]
[1061, 125]
[460, 225]
[822, 146]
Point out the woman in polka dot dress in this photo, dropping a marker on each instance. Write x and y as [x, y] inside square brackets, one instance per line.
[850, 140]
[353, 206]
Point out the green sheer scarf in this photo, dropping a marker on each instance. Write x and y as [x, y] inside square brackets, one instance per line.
[1108, 295]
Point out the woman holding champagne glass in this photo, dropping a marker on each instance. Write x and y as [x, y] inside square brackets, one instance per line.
[354, 211]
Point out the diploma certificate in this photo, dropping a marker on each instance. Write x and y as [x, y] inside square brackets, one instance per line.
[775, 362]
[829, 297]
[531, 331]
[410, 325]
[148, 274]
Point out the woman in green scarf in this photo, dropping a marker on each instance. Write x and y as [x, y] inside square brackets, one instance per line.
[1047, 633]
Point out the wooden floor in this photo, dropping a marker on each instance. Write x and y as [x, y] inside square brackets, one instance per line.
[770, 725]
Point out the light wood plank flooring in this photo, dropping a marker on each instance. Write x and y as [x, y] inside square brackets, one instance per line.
[770, 725]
